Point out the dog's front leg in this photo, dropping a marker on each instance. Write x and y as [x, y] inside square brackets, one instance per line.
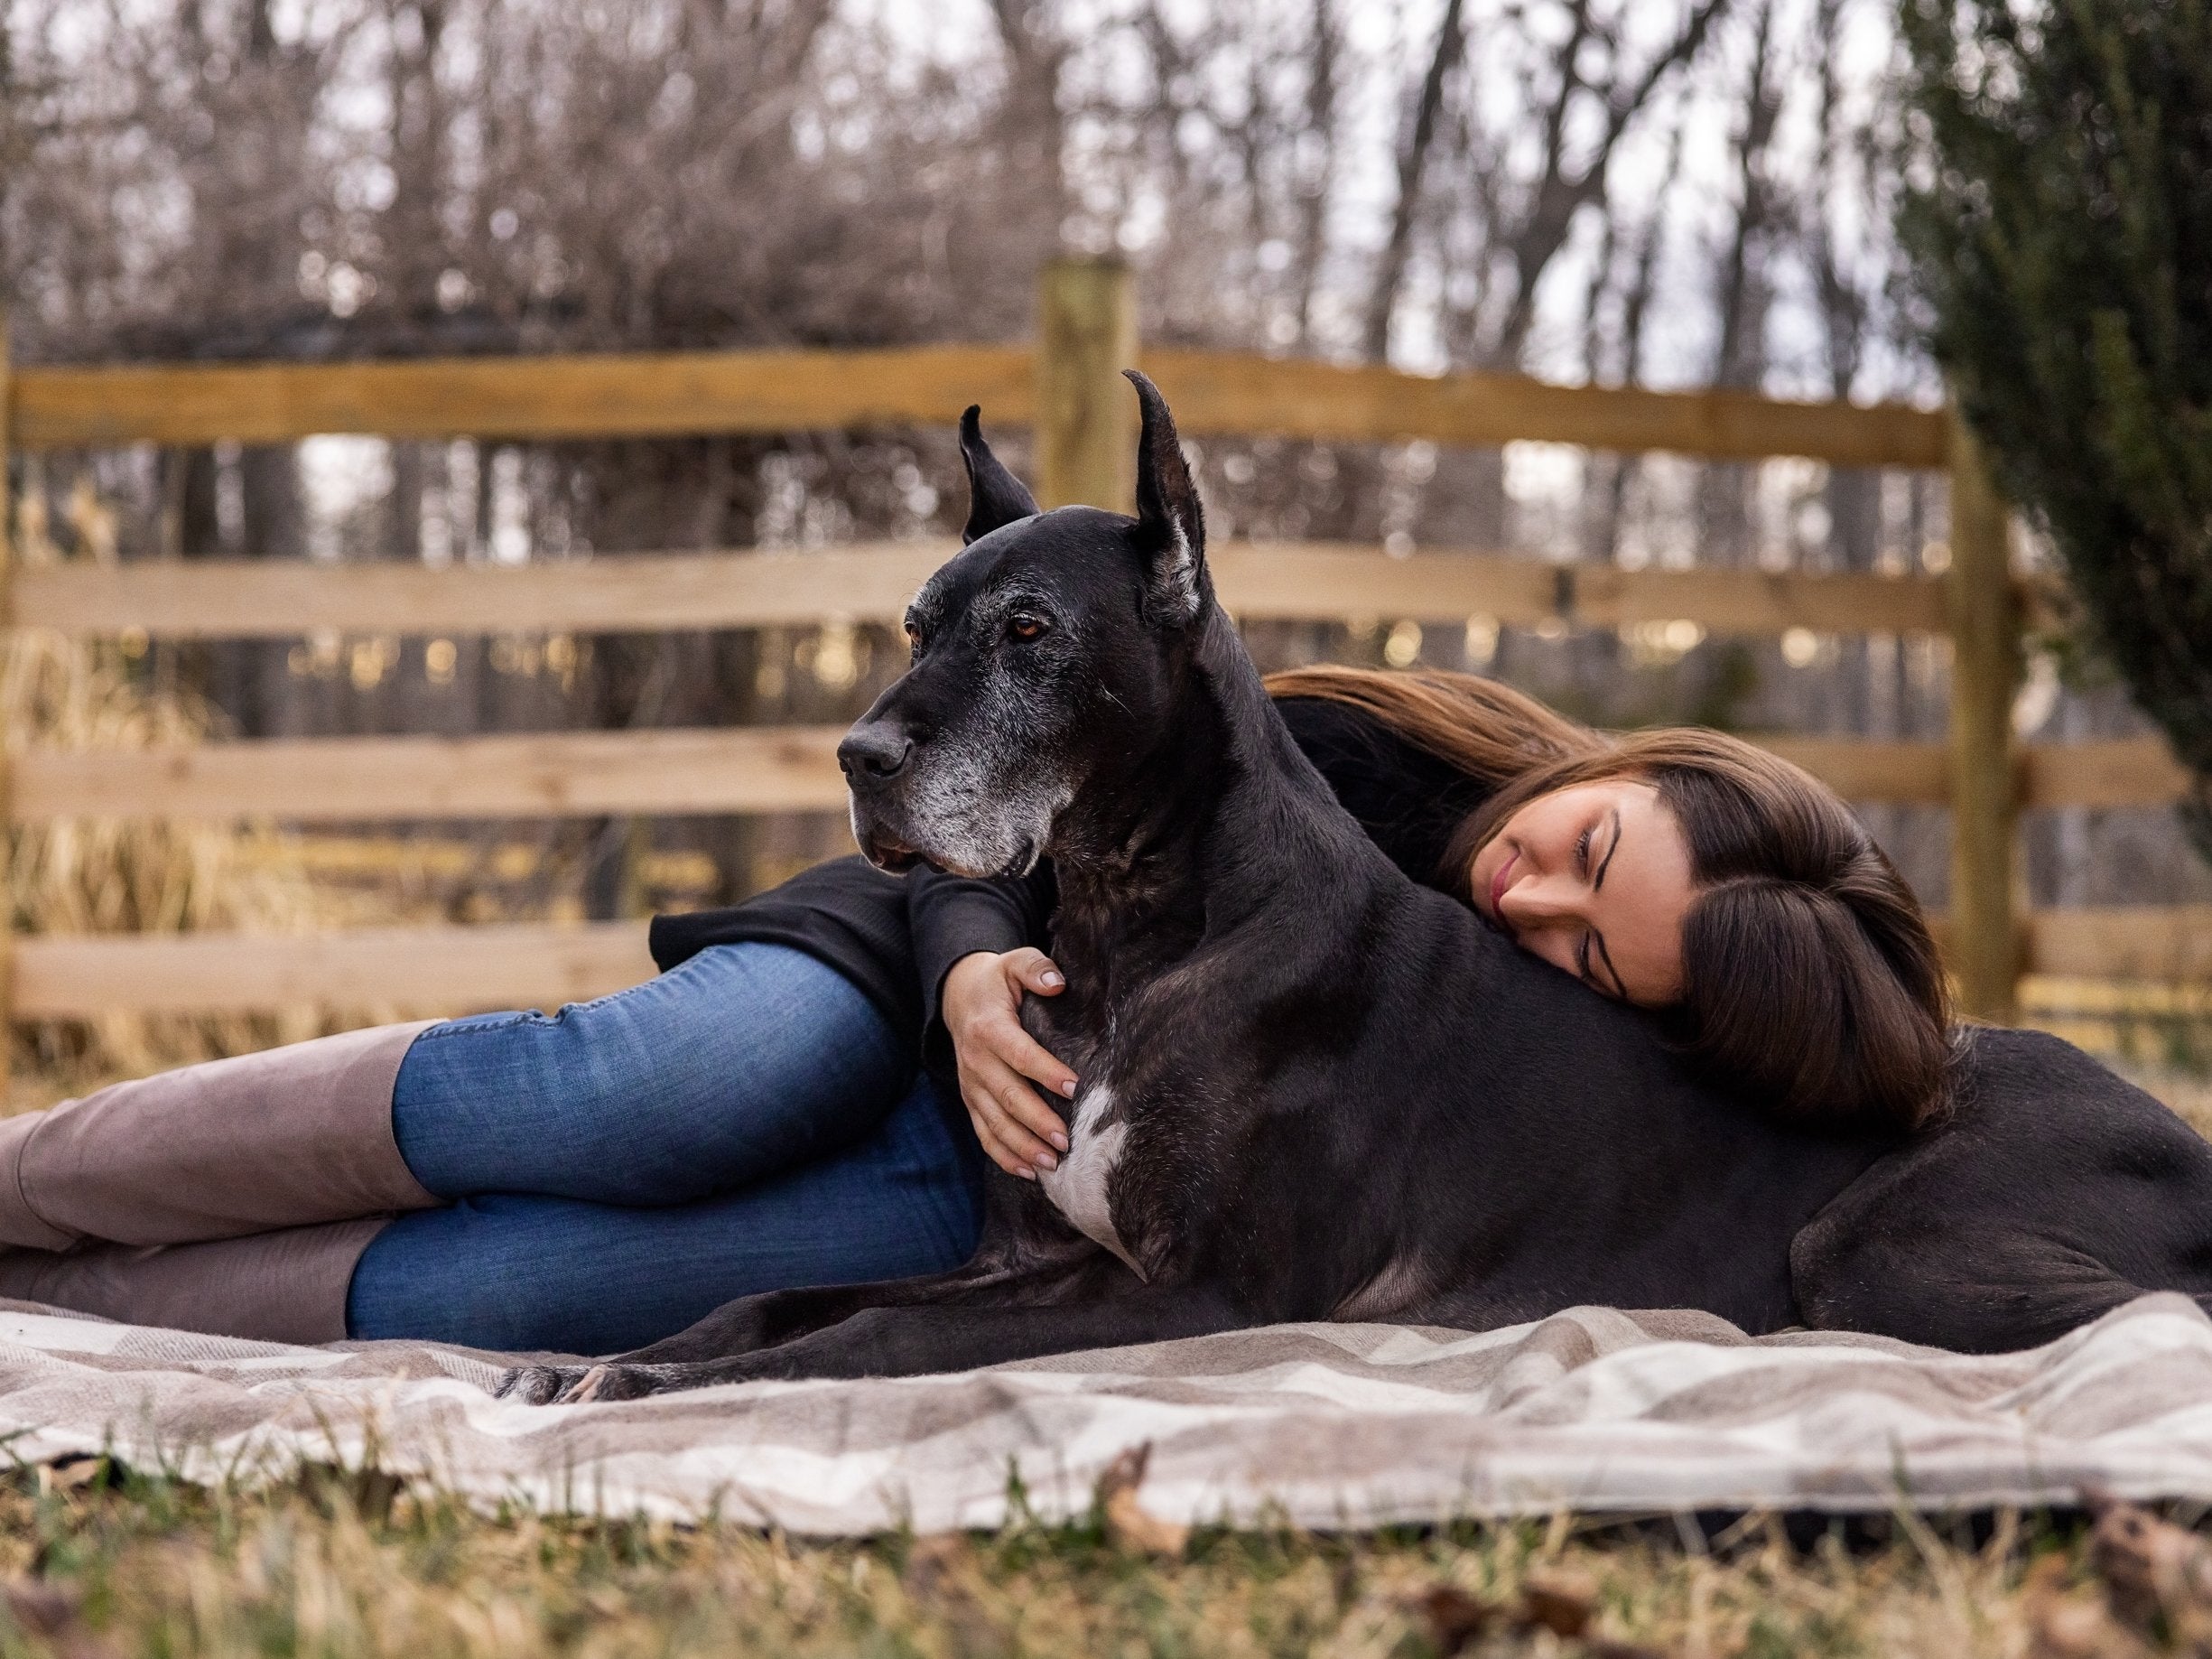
[754, 1324]
[918, 1341]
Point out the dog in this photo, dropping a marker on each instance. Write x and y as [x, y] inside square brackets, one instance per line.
[1313, 1089]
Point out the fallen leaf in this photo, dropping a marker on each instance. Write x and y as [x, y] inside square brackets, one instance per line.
[2153, 1569]
[1455, 1617]
[77, 1469]
[1128, 1523]
[1560, 1599]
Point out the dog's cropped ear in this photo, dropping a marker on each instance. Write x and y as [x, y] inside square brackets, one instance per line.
[1167, 511]
[995, 496]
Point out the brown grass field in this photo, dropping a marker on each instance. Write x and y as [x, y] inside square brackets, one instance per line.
[338, 1566]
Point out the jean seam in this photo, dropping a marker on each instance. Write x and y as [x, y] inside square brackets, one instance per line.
[453, 1028]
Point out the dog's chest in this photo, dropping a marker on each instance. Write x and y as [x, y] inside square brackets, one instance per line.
[1097, 1139]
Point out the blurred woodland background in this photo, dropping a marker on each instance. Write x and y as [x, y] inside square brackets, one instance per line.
[1661, 193]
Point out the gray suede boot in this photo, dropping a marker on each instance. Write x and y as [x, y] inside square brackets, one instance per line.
[234, 1196]
[286, 1286]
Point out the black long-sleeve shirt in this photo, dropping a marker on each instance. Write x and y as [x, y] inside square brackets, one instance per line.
[897, 938]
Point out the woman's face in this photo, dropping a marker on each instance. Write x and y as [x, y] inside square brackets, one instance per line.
[1594, 879]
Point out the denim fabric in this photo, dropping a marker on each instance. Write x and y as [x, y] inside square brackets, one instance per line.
[744, 1121]
[740, 1064]
[519, 1271]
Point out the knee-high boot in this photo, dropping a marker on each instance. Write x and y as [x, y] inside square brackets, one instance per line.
[234, 1196]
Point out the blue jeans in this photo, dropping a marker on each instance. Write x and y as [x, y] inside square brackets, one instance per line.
[746, 1122]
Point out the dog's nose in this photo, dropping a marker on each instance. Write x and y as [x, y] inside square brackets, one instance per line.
[874, 753]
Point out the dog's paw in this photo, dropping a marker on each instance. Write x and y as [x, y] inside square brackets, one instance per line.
[541, 1384]
[611, 1382]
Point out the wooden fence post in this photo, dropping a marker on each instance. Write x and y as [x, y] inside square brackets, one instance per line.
[7, 770]
[1985, 665]
[1087, 422]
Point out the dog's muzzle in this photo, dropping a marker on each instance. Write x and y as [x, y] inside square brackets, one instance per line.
[875, 757]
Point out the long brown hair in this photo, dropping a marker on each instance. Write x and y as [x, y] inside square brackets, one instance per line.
[1810, 981]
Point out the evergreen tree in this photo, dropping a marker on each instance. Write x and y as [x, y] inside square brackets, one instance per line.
[2062, 232]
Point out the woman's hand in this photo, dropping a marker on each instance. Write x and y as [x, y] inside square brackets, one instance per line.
[982, 1004]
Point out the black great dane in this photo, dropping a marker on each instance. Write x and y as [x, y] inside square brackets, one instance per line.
[1312, 1089]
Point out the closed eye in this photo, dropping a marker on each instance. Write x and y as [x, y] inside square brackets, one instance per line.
[1593, 940]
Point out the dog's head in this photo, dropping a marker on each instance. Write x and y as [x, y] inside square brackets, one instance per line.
[1047, 651]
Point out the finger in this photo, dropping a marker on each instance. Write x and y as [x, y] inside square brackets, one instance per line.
[1023, 1104]
[1007, 1043]
[1009, 1097]
[1007, 1158]
[1036, 972]
[985, 1115]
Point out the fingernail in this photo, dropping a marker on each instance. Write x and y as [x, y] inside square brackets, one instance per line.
[1046, 1160]
[1048, 977]
[1027, 1173]
[1068, 1088]
[1060, 1141]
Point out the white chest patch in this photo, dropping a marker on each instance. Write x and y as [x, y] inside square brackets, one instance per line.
[1078, 1186]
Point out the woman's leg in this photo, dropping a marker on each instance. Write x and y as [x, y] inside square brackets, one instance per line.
[287, 1137]
[744, 1061]
[572, 1276]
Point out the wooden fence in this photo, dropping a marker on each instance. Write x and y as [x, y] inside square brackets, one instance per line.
[1067, 386]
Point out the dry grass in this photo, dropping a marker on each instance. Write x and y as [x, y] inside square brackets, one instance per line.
[340, 1567]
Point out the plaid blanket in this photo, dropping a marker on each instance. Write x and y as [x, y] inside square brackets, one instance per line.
[1594, 1409]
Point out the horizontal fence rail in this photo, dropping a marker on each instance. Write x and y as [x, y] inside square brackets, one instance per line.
[794, 768]
[503, 775]
[461, 969]
[657, 395]
[670, 395]
[491, 966]
[872, 583]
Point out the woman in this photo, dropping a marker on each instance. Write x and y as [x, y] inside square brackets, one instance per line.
[753, 1117]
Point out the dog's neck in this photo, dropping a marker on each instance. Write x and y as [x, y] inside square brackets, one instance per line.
[1141, 875]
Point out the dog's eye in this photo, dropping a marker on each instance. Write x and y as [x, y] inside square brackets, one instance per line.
[914, 637]
[1024, 626]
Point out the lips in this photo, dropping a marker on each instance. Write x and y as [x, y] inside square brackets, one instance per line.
[1497, 885]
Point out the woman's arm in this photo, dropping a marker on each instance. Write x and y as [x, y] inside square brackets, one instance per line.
[976, 947]
[952, 917]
